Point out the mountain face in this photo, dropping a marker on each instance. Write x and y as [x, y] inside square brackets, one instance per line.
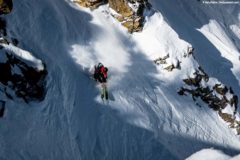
[173, 79]
[22, 75]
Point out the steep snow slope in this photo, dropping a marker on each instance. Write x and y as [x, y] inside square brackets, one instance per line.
[211, 154]
[145, 118]
[212, 30]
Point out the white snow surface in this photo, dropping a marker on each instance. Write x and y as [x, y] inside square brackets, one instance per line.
[145, 118]
[25, 56]
[211, 154]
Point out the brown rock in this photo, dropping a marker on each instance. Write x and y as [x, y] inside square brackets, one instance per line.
[193, 81]
[132, 20]
[119, 17]
[161, 60]
[133, 24]
[220, 90]
[226, 117]
[121, 7]
[90, 3]
[5, 6]
[170, 68]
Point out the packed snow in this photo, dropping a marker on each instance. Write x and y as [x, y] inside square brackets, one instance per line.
[26, 56]
[211, 154]
[145, 118]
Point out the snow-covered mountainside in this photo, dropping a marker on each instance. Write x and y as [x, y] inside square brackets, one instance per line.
[211, 154]
[173, 85]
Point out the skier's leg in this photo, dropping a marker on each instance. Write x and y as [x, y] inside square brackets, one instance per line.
[104, 86]
[102, 91]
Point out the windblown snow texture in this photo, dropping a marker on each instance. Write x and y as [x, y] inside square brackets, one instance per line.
[145, 118]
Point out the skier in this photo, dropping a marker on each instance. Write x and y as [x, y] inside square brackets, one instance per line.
[100, 75]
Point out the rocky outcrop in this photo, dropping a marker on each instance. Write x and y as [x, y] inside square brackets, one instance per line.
[21, 80]
[5, 6]
[207, 89]
[90, 3]
[17, 78]
[169, 66]
[161, 60]
[128, 12]
[2, 108]
[215, 94]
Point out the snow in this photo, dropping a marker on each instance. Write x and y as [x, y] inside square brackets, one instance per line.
[25, 56]
[227, 49]
[134, 6]
[209, 154]
[229, 109]
[236, 30]
[145, 117]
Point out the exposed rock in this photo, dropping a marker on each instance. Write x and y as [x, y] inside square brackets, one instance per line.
[189, 52]
[193, 81]
[2, 108]
[128, 12]
[161, 60]
[121, 7]
[181, 91]
[214, 96]
[198, 76]
[231, 120]
[226, 117]
[133, 24]
[222, 90]
[90, 3]
[25, 81]
[169, 67]
[5, 6]
[234, 102]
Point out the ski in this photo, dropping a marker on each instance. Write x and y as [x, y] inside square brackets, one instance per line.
[104, 92]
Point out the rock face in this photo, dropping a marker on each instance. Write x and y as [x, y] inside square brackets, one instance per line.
[163, 61]
[128, 12]
[90, 3]
[2, 108]
[217, 96]
[5, 6]
[20, 80]
[121, 7]
[207, 89]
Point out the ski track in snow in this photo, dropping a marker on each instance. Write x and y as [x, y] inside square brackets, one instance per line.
[144, 119]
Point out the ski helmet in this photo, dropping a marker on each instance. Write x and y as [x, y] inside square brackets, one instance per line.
[100, 65]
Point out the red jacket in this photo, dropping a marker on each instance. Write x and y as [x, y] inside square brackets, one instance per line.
[102, 70]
